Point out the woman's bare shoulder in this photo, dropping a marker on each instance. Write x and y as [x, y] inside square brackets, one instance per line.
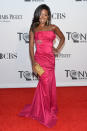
[35, 29]
[54, 27]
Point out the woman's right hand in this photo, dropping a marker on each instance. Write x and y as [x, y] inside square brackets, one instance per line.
[33, 68]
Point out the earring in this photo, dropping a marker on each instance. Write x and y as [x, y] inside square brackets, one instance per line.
[37, 22]
[47, 22]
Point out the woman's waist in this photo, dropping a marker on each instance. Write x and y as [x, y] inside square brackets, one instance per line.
[39, 41]
[44, 51]
[44, 43]
[44, 48]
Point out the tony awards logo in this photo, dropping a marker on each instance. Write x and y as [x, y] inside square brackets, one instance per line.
[77, 37]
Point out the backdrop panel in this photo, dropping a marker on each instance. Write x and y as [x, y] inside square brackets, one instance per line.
[15, 20]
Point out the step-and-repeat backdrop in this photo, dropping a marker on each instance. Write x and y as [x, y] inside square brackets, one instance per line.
[15, 20]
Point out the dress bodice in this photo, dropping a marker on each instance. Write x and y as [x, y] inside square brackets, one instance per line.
[44, 36]
[44, 41]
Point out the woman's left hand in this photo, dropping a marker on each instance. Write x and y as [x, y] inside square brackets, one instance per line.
[55, 51]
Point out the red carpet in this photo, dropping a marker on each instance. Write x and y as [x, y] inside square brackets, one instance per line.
[72, 104]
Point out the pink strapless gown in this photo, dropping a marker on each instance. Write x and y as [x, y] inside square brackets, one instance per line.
[44, 105]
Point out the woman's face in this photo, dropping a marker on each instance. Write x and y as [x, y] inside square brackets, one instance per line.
[43, 16]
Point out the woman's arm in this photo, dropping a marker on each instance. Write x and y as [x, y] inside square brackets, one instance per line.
[31, 50]
[62, 38]
[31, 46]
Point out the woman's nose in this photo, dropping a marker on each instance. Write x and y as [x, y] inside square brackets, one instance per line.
[42, 16]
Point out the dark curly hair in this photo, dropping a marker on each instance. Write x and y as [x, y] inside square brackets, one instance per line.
[35, 21]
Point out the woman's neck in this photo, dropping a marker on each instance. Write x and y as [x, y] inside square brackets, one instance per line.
[42, 25]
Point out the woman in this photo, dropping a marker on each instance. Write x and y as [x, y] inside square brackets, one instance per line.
[42, 33]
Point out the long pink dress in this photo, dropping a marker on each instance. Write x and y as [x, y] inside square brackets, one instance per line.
[44, 105]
